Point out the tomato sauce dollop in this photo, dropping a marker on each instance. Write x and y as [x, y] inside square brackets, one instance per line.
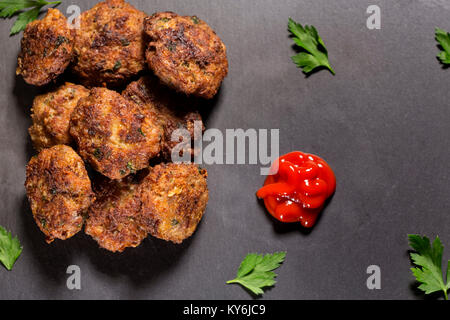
[298, 190]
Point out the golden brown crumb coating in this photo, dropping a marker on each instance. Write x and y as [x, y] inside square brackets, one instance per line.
[46, 49]
[173, 110]
[59, 191]
[109, 46]
[115, 135]
[186, 54]
[115, 220]
[51, 115]
[174, 197]
[167, 201]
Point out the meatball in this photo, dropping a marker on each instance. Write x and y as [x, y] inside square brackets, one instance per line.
[115, 135]
[51, 115]
[59, 191]
[174, 197]
[166, 201]
[186, 54]
[46, 49]
[115, 220]
[109, 46]
[173, 111]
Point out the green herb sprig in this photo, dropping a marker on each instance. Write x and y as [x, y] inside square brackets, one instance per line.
[256, 271]
[315, 53]
[10, 248]
[9, 8]
[443, 38]
[428, 259]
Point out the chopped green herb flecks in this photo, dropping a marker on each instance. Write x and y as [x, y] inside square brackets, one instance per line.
[171, 46]
[98, 153]
[195, 19]
[117, 65]
[59, 41]
[130, 167]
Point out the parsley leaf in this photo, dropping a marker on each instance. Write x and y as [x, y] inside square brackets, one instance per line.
[315, 54]
[10, 248]
[428, 259]
[23, 19]
[255, 271]
[443, 37]
[9, 8]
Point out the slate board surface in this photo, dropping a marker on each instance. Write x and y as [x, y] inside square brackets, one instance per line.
[382, 123]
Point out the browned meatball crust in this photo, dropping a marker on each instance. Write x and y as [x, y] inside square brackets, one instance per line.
[46, 49]
[174, 197]
[173, 111]
[115, 135]
[186, 54]
[168, 201]
[115, 219]
[59, 191]
[51, 115]
[109, 46]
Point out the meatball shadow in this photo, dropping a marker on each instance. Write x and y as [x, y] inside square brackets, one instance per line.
[207, 107]
[52, 259]
[24, 95]
[144, 264]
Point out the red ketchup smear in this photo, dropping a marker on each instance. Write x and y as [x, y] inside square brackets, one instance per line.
[298, 191]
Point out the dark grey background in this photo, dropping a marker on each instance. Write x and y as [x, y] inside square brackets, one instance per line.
[382, 123]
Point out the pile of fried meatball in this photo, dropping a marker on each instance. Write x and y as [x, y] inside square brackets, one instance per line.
[104, 157]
